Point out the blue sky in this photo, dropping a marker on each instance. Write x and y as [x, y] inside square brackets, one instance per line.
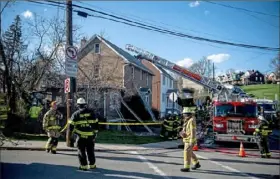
[195, 18]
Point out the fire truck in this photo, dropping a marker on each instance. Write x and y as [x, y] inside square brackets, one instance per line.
[233, 117]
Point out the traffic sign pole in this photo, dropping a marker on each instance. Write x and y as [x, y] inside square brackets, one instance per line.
[69, 42]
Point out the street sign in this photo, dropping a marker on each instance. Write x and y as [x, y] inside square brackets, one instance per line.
[67, 85]
[173, 97]
[71, 64]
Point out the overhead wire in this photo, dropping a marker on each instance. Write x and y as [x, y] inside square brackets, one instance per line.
[242, 9]
[133, 17]
[153, 28]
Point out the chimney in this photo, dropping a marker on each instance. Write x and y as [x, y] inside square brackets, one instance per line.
[83, 42]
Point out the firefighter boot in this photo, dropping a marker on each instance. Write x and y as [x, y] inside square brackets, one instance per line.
[92, 166]
[83, 168]
[185, 169]
[196, 166]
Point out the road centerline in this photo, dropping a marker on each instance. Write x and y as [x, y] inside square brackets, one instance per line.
[152, 166]
[227, 167]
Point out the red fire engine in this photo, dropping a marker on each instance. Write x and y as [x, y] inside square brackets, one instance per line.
[234, 118]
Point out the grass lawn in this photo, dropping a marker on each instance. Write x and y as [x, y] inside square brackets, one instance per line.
[106, 137]
[267, 91]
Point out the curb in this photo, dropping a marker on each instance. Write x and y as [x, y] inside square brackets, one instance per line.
[75, 149]
[35, 148]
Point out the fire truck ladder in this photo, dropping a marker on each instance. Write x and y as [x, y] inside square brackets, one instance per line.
[215, 87]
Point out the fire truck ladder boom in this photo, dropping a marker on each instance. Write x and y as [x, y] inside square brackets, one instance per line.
[214, 86]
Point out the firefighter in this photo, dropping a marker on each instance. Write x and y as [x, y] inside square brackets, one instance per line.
[277, 120]
[189, 138]
[84, 124]
[166, 131]
[262, 132]
[51, 124]
[175, 126]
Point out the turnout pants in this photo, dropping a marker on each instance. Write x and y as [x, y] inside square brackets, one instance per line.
[52, 144]
[53, 140]
[263, 146]
[86, 151]
[189, 155]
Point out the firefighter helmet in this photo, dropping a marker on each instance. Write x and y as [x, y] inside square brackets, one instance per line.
[53, 103]
[188, 110]
[261, 118]
[81, 101]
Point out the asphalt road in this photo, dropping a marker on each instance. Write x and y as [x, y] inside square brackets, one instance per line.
[149, 164]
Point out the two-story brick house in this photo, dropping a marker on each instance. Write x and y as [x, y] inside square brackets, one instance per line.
[163, 84]
[107, 72]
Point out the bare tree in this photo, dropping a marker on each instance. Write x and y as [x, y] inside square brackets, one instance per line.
[275, 65]
[27, 67]
[202, 67]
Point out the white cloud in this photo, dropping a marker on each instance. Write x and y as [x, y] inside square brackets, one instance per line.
[187, 62]
[194, 4]
[45, 10]
[219, 58]
[27, 14]
[206, 12]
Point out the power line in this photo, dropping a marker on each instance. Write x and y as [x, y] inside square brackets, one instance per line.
[262, 20]
[242, 9]
[148, 21]
[153, 28]
[194, 41]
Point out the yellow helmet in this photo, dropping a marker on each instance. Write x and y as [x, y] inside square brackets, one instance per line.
[188, 110]
[53, 103]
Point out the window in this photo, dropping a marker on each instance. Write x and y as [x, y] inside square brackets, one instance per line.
[162, 98]
[97, 48]
[170, 85]
[147, 80]
[142, 75]
[163, 80]
[96, 71]
[132, 71]
[257, 74]
[256, 78]
[147, 98]
[260, 78]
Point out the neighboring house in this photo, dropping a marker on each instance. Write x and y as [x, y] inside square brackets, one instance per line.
[252, 77]
[112, 72]
[220, 78]
[272, 77]
[163, 84]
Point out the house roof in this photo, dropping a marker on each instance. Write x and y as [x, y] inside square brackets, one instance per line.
[165, 72]
[122, 53]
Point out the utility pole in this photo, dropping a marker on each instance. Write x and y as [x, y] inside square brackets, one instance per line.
[69, 42]
[213, 71]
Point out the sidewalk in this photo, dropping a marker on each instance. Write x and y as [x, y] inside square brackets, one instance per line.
[40, 145]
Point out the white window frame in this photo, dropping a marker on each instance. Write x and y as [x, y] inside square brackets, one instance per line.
[95, 48]
[133, 72]
[260, 78]
[256, 78]
[147, 98]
